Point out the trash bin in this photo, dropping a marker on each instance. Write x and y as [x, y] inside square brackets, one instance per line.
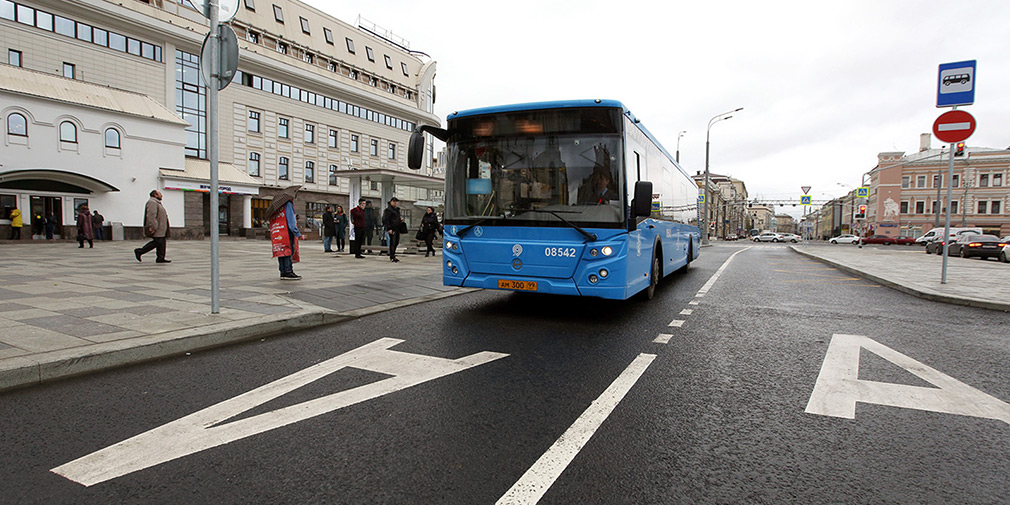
[117, 230]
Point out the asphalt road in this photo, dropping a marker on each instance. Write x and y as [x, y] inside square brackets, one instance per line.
[718, 416]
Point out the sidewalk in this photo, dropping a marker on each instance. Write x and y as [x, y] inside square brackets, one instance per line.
[909, 269]
[66, 311]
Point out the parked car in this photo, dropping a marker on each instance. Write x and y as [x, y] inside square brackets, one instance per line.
[791, 237]
[887, 240]
[935, 245]
[925, 238]
[1004, 255]
[768, 237]
[970, 245]
[844, 239]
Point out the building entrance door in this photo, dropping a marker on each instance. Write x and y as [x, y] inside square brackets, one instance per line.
[51, 210]
[222, 218]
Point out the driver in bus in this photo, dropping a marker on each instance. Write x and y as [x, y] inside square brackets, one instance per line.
[598, 189]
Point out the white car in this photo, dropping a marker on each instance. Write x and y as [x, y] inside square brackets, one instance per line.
[1004, 255]
[844, 239]
[768, 237]
[790, 237]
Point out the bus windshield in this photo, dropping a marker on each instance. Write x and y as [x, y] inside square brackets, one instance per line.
[515, 167]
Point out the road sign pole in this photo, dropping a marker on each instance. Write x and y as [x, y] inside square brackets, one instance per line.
[212, 154]
[946, 221]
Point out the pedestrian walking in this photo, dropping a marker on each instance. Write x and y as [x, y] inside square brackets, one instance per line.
[50, 225]
[16, 224]
[429, 227]
[96, 224]
[38, 224]
[358, 223]
[284, 232]
[371, 222]
[341, 223]
[394, 225]
[156, 228]
[329, 229]
[85, 231]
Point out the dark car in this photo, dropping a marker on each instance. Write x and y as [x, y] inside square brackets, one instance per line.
[978, 246]
[935, 245]
[887, 240]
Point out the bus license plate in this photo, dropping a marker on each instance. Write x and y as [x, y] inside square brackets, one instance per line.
[519, 285]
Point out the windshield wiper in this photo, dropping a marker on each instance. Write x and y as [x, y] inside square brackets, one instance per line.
[589, 236]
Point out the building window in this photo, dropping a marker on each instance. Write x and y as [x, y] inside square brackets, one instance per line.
[392, 151]
[906, 181]
[14, 57]
[305, 24]
[68, 132]
[253, 37]
[920, 181]
[935, 208]
[370, 54]
[389, 62]
[904, 207]
[997, 180]
[192, 107]
[956, 181]
[253, 165]
[69, 70]
[994, 207]
[937, 182]
[373, 147]
[920, 207]
[354, 143]
[307, 58]
[112, 138]
[332, 144]
[282, 168]
[282, 128]
[250, 5]
[310, 134]
[282, 47]
[310, 171]
[278, 14]
[17, 125]
[403, 66]
[374, 186]
[953, 207]
[328, 35]
[982, 206]
[350, 45]
[333, 175]
[983, 182]
[254, 121]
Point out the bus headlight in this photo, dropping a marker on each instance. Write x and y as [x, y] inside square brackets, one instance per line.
[450, 245]
[607, 250]
[448, 264]
[455, 270]
[593, 278]
[604, 273]
[593, 252]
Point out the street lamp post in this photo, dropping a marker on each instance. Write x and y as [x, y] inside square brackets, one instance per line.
[679, 135]
[704, 210]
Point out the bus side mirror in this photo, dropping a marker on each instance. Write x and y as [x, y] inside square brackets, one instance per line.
[641, 206]
[415, 151]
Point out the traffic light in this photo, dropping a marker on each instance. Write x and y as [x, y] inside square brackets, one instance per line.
[860, 212]
[959, 150]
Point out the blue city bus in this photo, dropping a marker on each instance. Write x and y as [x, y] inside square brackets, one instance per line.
[569, 197]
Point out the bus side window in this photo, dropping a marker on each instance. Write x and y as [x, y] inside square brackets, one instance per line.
[638, 166]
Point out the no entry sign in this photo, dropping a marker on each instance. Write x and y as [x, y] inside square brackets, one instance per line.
[954, 126]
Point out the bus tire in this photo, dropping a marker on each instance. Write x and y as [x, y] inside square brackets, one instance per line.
[654, 275]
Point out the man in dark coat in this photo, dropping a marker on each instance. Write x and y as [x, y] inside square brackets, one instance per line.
[371, 222]
[156, 227]
[358, 223]
[329, 229]
[391, 220]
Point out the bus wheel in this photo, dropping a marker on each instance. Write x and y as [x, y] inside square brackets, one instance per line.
[653, 278]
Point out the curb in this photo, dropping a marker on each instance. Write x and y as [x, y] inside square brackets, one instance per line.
[926, 295]
[26, 371]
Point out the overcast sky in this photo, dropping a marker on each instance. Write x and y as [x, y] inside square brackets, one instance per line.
[824, 86]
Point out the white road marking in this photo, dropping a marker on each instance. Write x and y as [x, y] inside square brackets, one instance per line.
[663, 338]
[694, 302]
[838, 386]
[711, 281]
[532, 486]
[686, 312]
[677, 323]
[210, 427]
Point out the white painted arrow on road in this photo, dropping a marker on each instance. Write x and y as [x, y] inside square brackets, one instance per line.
[209, 427]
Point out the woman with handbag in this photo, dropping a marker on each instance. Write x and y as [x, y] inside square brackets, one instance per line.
[429, 227]
[394, 226]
